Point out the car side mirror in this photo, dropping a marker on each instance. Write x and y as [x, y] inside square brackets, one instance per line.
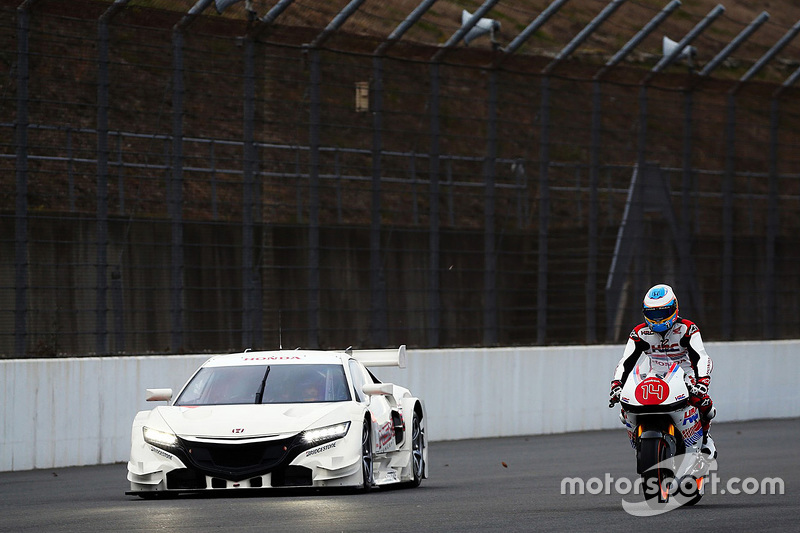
[158, 395]
[378, 389]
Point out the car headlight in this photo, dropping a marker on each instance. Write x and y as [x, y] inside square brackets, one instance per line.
[328, 433]
[159, 438]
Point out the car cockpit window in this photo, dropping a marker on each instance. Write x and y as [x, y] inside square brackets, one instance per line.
[231, 385]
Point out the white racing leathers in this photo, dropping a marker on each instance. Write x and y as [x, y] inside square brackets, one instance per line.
[682, 344]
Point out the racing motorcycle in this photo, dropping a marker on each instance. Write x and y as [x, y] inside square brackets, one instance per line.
[665, 431]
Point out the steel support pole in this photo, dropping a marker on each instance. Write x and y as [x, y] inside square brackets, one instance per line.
[685, 225]
[727, 219]
[101, 289]
[21, 207]
[313, 203]
[544, 213]
[594, 183]
[490, 333]
[771, 330]
[175, 197]
[249, 297]
[378, 304]
[434, 303]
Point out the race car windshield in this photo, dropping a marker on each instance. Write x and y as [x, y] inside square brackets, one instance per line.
[232, 385]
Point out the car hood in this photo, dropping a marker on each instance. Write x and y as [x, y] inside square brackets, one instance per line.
[248, 421]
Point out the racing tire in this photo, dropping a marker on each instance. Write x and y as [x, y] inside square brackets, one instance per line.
[653, 451]
[417, 452]
[367, 472]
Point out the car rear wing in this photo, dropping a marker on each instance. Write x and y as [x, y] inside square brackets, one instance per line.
[390, 357]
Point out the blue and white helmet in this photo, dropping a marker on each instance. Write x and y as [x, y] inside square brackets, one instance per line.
[660, 308]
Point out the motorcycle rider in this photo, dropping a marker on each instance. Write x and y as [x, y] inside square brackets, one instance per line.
[666, 338]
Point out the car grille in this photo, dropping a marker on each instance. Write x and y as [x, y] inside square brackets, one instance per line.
[239, 460]
[190, 480]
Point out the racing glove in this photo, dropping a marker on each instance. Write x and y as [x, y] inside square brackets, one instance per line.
[616, 390]
[700, 389]
[700, 398]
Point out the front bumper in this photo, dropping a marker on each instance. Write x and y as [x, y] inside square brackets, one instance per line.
[199, 466]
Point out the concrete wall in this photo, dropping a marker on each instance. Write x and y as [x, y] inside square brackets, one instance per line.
[63, 412]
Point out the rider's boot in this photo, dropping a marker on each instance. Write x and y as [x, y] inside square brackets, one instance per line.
[709, 448]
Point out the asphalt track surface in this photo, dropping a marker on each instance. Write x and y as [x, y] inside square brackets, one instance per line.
[504, 484]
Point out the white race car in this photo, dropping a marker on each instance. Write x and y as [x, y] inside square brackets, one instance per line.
[301, 418]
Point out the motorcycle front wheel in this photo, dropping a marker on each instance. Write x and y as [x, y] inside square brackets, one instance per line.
[656, 477]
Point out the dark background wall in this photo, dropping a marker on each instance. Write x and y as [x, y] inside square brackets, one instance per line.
[171, 187]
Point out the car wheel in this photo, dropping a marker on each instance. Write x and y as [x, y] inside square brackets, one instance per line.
[366, 457]
[417, 452]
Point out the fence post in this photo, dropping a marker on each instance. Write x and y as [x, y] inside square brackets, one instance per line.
[119, 310]
[313, 204]
[21, 209]
[70, 171]
[685, 228]
[727, 219]
[434, 304]
[490, 333]
[544, 207]
[248, 193]
[101, 291]
[770, 330]
[594, 179]
[377, 280]
[175, 197]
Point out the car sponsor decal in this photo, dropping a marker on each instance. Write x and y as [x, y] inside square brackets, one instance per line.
[385, 436]
[273, 358]
[321, 449]
[162, 453]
